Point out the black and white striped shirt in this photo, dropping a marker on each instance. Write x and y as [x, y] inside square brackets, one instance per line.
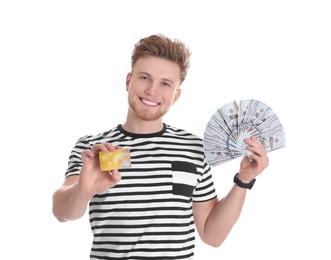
[148, 214]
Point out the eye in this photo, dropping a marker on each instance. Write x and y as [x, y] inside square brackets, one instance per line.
[166, 84]
[144, 77]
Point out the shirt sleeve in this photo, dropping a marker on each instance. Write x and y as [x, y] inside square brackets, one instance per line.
[75, 159]
[205, 189]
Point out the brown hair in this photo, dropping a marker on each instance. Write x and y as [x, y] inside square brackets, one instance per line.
[163, 47]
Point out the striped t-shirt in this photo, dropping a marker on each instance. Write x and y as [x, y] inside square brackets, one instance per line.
[148, 214]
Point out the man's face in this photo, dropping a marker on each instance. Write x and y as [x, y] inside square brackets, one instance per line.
[153, 86]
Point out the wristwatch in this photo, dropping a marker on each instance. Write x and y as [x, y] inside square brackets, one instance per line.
[242, 184]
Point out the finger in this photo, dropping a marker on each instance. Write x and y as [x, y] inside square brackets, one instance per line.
[253, 141]
[257, 152]
[111, 147]
[260, 156]
[254, 144]
[254, 157]
[87, 154]
[115, 177]
[100, 147]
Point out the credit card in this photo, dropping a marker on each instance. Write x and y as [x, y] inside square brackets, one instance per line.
[117, 159]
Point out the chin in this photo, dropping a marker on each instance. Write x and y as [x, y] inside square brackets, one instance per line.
[146, 114]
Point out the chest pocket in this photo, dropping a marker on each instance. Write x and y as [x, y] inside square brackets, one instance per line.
[184, 178]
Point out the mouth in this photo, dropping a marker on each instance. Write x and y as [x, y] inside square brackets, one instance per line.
[149, 102]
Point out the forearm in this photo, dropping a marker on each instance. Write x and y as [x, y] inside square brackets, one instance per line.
[223, 216]
[68, 203]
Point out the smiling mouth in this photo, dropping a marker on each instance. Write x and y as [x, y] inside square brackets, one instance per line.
[148, 102]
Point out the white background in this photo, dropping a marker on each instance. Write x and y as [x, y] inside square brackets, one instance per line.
[63, 66]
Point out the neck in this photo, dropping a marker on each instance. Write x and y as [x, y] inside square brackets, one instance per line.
[138, 126]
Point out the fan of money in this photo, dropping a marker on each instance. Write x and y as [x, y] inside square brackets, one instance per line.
[232, 123]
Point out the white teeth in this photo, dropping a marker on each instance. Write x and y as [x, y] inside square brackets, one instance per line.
[149, 102]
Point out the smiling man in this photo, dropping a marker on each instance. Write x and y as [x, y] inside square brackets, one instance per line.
[151, 209]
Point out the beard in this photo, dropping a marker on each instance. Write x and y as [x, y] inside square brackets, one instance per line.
[146, 114]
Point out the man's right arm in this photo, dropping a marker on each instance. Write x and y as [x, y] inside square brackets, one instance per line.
[68, 202]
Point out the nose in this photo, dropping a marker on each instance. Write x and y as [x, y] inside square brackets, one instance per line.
[151, 89]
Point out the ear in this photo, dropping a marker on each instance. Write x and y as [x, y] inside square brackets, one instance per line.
[177, 94]
[128, 80]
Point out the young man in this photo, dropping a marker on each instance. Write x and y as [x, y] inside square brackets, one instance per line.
[151, 210]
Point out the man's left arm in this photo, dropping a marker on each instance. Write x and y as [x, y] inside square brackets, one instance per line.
[214, 219]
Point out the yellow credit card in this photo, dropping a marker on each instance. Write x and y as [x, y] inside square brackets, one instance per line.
[117, 159]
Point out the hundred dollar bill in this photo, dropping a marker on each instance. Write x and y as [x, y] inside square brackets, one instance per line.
[274, 140]
[230, 114]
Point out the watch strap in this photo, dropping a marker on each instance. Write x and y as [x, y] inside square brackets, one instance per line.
[242, 184]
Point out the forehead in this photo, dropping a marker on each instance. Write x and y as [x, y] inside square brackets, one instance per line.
[157, 67]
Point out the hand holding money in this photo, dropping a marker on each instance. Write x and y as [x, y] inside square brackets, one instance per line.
[231, 124]
[251, 167]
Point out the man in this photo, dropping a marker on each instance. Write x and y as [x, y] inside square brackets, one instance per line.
[151, 210]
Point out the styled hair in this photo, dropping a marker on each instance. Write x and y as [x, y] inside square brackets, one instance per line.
[160, 46]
